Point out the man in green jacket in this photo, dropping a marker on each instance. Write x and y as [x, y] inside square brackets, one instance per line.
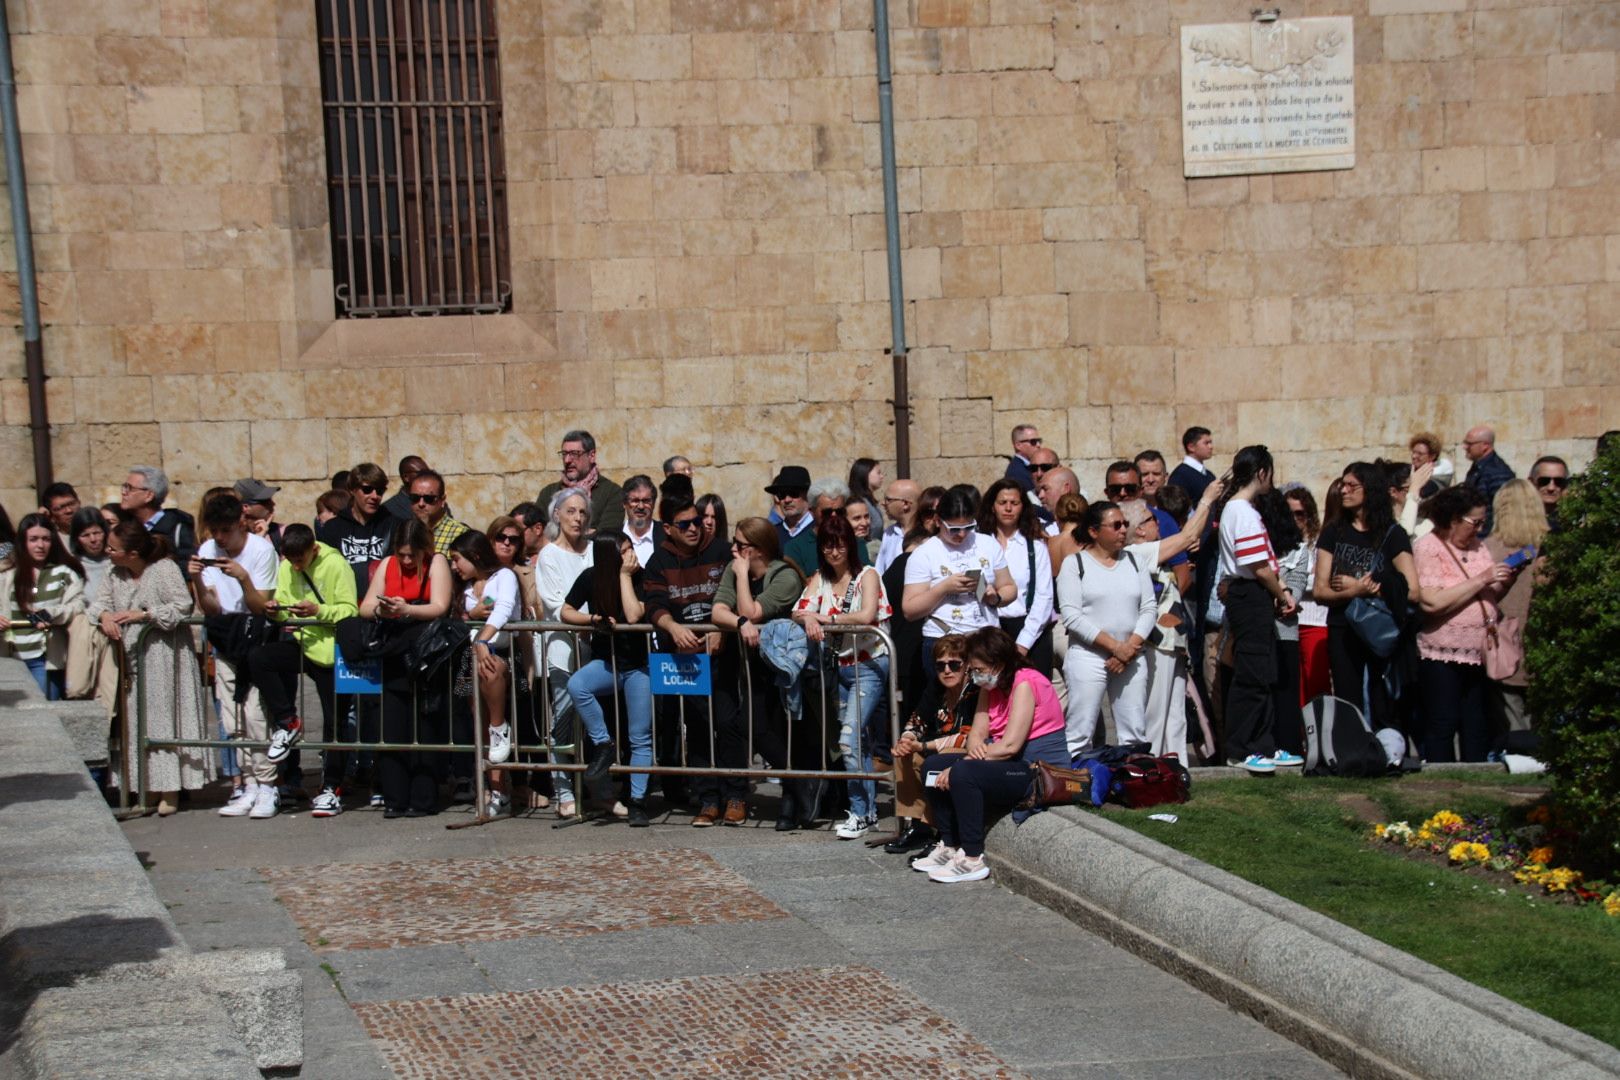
[579, 471]
[314, 582]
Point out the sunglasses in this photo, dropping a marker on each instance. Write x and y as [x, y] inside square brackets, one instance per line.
[1477, 523]
[372, 489]
[1112, 525]
[740, 545]
[429, 499]
[688, 523]
[1559, 482]
[958, 530]
[509, 538]
[1121, 489]
[1042, 468]
[1031, 442]
[947, 665]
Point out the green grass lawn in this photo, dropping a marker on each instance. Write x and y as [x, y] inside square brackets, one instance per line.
[1306, 839]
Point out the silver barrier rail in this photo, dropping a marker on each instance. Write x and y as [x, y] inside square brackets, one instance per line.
[560, 757]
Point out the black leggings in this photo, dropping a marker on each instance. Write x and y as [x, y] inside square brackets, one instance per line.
[1287, 718]
[1251, 620]
[274, 669]
[1351, 662]
[1454, 701]
[409, 779]
[741, 700]
[975, 784]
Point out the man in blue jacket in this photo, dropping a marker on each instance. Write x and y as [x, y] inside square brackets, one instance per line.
[1488, 472]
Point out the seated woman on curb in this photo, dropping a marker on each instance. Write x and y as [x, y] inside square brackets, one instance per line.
[408, 590]
[611, 593]
[1019, 722]
[489, 593]
[939, 726]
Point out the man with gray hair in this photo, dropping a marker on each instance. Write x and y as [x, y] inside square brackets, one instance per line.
[579, 470]
[142, 498]
[1025, 438]
[677, 464]
[640, 497]
[826, 496]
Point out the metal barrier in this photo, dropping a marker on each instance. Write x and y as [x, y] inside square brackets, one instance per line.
[547, 754]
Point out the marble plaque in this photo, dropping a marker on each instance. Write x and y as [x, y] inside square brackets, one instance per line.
[1261, 97]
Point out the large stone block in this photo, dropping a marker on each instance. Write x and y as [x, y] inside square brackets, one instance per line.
[202, 452]
[1028, 322]
[1134, 375]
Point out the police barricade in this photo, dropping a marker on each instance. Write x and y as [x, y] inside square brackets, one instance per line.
[446, 713]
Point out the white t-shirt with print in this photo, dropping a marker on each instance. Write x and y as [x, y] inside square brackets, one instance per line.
[934, 561]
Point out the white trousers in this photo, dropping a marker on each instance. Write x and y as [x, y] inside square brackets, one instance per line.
[1167, 703]
[1088, 682]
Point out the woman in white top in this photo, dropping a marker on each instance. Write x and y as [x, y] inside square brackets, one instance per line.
[840, 593]
[489, 593]
[958, 580]
[559, 654]
[1105, 599]
[1009, 519]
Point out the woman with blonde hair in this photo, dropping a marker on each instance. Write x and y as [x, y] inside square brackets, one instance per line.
[1521, 525]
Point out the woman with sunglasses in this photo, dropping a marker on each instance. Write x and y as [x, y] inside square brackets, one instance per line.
[957, 581]
[939, 725]
[843, 593]
[508, 537]
[1461, 584]
[1106, 601]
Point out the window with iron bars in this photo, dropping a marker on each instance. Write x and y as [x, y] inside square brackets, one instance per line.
[414, 156]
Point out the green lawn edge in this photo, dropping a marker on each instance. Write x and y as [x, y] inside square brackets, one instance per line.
[1305, 838]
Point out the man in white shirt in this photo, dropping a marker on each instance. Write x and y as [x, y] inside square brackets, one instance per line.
[900, 503]
[231, 556]
[639, 499]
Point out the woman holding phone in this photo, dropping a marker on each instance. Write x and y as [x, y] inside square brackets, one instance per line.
[1520, 527]
[958, 580]
[1461, 584]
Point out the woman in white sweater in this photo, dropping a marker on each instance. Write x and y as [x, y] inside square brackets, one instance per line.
[1105, 599]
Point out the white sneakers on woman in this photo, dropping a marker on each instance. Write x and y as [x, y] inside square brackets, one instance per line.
[500, 743]
[948, 866]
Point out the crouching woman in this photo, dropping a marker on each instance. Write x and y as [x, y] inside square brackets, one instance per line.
[1018, 723]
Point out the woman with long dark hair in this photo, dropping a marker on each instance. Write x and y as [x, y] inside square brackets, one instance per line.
[87, 535]
[1314, 677]
[712, 513]
[47, 590]
[865, 483]
[1007, 517]
[490, 593]
[1254, 597]
[611, 594]
[1364, 552]
[141, 603]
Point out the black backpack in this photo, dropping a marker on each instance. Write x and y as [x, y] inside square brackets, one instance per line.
[1339, 741]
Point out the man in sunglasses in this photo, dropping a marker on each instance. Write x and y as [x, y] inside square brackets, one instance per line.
[428, 504]
[1488, 472]
[1550, 475]
[363, 533]
[1122, 483]
[1025, 439]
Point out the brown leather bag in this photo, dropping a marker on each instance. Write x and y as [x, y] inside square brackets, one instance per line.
[1054, 786]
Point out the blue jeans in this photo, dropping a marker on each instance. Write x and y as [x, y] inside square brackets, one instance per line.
[862, 693]
[53, 684]
[597, 678]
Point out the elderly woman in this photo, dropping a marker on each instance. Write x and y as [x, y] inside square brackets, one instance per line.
[1520, 528]
[141, 603]
[841, 593]
[561, 654]
[1009, 518]
[939, 725]
[1461, 584]
[1018, 723]
[1105, 598]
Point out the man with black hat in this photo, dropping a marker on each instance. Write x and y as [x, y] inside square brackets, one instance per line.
[789, 494]
[259, 509]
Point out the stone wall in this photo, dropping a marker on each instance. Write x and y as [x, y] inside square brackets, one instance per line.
[698, 262]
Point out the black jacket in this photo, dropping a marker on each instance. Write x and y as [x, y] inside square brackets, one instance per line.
[360, 545]
[180, 530]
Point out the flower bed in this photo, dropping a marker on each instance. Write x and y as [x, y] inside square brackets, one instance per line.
[1528, 852]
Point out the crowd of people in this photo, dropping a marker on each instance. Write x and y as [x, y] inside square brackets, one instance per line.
[1190, 614]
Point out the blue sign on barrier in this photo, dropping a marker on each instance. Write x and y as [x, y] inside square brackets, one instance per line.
[363, 678]
[680, 673]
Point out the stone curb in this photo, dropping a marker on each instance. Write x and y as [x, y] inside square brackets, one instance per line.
[1370, 1009]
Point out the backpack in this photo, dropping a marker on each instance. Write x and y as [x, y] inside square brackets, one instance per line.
[1340, 742]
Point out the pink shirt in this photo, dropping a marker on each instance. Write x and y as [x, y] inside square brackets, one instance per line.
[1048, 713]
[1458, 638]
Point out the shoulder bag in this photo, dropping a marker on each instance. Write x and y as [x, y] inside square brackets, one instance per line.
[1503, 651]
[1370, 617]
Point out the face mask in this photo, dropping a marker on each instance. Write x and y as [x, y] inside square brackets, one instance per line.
[984, 680]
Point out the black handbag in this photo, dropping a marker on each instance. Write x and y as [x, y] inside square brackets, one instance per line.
[436, 644]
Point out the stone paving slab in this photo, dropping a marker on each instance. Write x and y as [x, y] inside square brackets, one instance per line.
[810, 1023]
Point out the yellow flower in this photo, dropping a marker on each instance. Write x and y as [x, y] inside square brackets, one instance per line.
[1444, 821]
[1378, 831]
[1529, 874]
[1468, 852]
[1542, 855]
[1559, 880]
[1611, 904]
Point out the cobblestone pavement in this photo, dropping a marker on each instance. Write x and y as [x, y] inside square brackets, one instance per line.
[517, 949]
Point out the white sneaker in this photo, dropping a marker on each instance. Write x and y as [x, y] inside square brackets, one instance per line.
[1255, 763]
[500, 743]
[241, 801]
[852, 827]
[497, 804]
[326, 804]
[283, 740]
[961, 868]
[940, 856]
[266, 803]
[377, 801]
[1282, 759]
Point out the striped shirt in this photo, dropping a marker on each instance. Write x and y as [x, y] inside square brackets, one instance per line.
[58, 592]
[1245, 544]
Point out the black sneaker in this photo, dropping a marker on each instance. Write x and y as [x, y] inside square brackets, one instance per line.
[637, 818]
[602, 758]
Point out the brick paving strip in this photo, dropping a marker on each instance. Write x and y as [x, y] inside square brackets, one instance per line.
[447, 901]
[807, 1022]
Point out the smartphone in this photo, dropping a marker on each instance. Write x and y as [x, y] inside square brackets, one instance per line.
[1520, 557]
[975, 574]
[39, 619]
[931, 780]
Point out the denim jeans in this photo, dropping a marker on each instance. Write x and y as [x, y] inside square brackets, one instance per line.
[861, 694]
[598, 678]
[53, 684]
